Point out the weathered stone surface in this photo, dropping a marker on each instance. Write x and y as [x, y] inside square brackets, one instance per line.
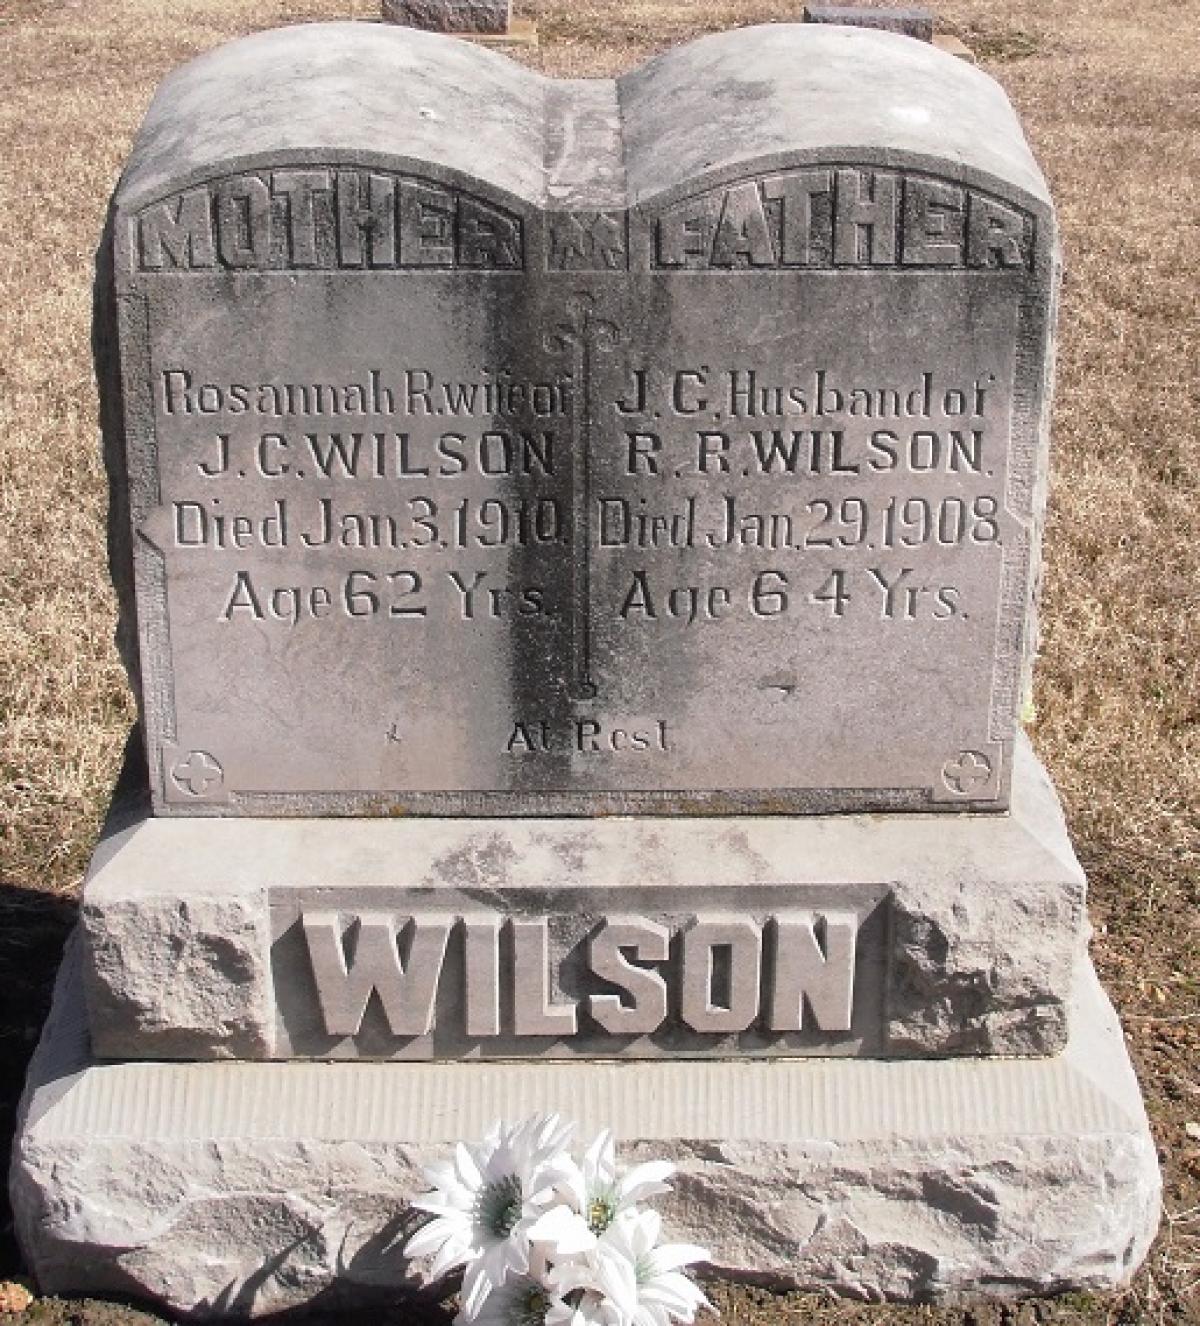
[910, 22]
[518, 445]
[451, 15]
[196, 968]
[487, 450]
[838, 935]
[248, 1188]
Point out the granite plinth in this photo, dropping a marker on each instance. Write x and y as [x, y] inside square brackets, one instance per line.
[235, 1189]
[844, 935]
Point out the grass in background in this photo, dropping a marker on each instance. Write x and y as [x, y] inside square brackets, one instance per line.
[1110, 96]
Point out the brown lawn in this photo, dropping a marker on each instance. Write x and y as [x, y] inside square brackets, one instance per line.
[1110, 93]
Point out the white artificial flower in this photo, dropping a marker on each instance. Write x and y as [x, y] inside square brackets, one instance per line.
[598, 1197]
[521, 1301]
[662, 1293]
[532, 1299]
[484, 1203]
[588, 1310]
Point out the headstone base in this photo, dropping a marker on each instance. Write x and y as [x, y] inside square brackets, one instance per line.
[228, 1189]
[968, 928]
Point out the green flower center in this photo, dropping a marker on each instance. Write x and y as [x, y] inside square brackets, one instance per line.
[531, 1307]
[500, 1206]
[602, 1211]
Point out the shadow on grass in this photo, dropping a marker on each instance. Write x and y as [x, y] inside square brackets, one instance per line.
[33, 929]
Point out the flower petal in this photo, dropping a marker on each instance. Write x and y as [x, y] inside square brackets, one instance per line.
[453, 1253]
[467, 1167]
[670, 1256]
[424, 1241]
[438, 1204]
[440, 1174]
[589, 1311]
[615, 1276]
[636, 1230]
[476, 1288]
[429, 1238]
[572, 1185]
[565, 1230]
[645, 1181]
[600, 1159]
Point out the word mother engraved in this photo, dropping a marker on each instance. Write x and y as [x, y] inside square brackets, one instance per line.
[289, 219]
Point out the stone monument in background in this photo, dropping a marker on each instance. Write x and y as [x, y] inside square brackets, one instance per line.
[912, 21]
[577, 547]
[458, 16]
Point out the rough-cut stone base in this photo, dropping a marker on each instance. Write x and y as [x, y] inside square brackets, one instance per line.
[978, 921]
[234, 1188]
[466, 16]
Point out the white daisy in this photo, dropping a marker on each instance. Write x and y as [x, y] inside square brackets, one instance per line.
[662, 1293]
[533, 1300]
[486, 1200]
[598, 1197]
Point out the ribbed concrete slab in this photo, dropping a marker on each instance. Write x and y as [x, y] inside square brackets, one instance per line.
[252, 1187]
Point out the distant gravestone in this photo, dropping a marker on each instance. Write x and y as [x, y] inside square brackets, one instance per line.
[576, 547]
[911, 22]
[460, 16]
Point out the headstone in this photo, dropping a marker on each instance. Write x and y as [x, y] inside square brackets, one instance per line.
[576, 545]
[459, 16]
[553, 460]
[836, 936]
[910, 22]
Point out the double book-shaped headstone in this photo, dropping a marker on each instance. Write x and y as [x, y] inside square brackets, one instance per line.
[674, 446]
[668, 446]
[623, 500]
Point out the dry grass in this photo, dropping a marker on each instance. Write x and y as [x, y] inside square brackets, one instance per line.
[1110, 93]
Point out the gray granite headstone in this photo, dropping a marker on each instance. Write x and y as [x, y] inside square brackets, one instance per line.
[492, 446]
[910, 22]
[493, 459]
[484, 444]
[460, 16]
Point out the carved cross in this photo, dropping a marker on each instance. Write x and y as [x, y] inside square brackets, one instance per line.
[582, 333]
